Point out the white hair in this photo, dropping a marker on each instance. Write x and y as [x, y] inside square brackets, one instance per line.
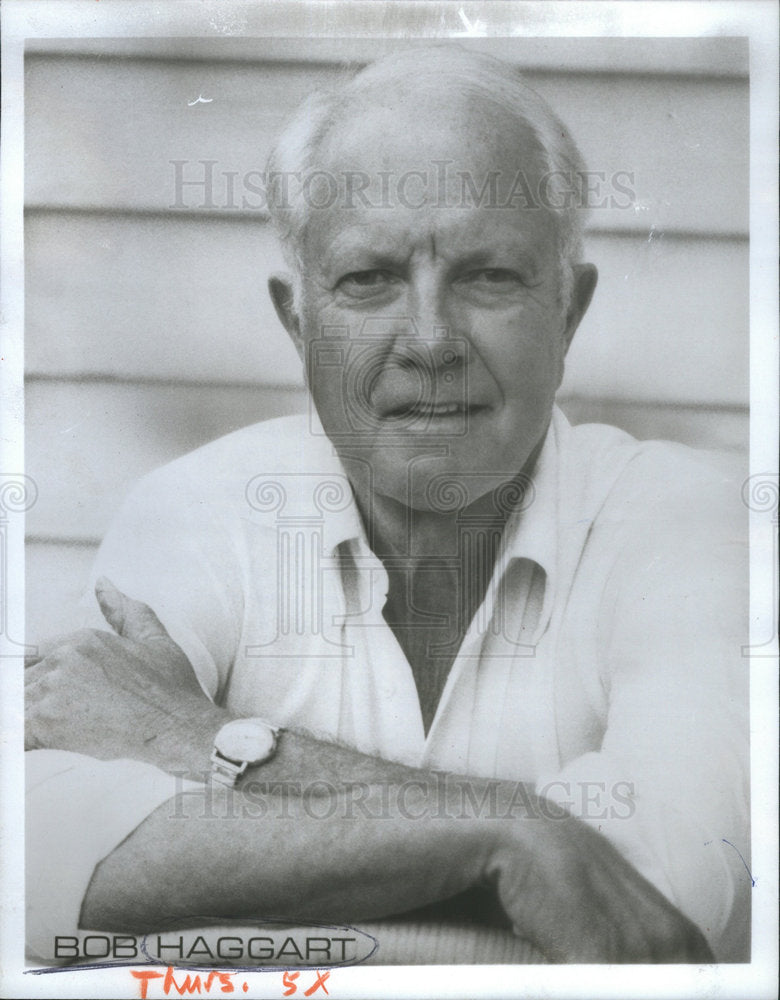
[437, 70]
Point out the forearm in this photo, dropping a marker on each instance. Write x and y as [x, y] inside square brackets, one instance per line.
[322, 832]
[280, 852]
[318, 830]
[276, 852]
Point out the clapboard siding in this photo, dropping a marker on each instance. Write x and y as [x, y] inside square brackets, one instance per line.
[669, 322]
[132, 297]
[725, 428]
[89, 442]
[710, 57]
[104, 132]
[149, 330]
[55, 577]
[182, 298]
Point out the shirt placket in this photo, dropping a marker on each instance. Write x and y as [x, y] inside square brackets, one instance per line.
[398, 721]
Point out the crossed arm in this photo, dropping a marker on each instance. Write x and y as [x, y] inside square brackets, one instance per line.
[133, 694]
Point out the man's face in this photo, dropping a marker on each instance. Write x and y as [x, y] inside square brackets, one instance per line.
[432, 332]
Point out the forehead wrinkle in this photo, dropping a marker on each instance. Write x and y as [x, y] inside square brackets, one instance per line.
[366, 236]
[380, 241]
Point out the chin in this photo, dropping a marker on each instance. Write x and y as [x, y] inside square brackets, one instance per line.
[437, 484]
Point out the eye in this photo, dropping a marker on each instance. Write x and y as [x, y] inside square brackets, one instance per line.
[496, 277]
[361, 284]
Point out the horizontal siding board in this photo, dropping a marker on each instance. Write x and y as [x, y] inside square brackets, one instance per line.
[669, 322]
[714, 57]
[137, 297]
[88, 443]
[698, 427]
[146, 298]
[668, 133]
[55, 577]
[105, 132]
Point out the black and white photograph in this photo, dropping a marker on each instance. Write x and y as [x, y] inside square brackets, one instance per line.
[388, 504]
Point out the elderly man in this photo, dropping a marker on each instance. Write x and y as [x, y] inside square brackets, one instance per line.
[432, 585]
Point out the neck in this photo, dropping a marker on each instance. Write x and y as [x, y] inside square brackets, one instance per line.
[396, 529]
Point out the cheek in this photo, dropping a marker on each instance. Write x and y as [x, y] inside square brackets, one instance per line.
[522, 349]
[329, 365]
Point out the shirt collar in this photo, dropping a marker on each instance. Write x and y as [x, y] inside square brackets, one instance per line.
[308, 490]
[532, 530]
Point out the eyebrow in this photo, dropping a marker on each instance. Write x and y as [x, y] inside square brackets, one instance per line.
[489, 257]
[377, 256]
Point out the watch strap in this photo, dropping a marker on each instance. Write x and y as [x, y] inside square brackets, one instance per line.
[226, 772]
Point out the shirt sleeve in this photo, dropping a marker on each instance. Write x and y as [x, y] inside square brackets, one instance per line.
[169, 547]
[78, 810]
[669, 785]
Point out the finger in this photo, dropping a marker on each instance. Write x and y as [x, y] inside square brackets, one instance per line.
[35, 673]
[129, 618]
[30, 740]
[43, 649]
[650, 927]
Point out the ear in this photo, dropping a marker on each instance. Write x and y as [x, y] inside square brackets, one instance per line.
[280, 289]
[585, 278]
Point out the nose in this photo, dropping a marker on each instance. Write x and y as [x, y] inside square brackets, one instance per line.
[436, 323]
[429, 305]
[427, 335]
[416, 359]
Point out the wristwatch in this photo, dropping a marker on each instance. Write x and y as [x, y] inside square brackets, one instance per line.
[240, 744]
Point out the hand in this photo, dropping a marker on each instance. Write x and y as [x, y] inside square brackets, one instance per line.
[570, 892]
[130, 694]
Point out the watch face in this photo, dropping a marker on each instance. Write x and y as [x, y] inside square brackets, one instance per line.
[245, 740]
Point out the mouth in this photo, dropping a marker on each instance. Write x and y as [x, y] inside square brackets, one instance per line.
[422, 410]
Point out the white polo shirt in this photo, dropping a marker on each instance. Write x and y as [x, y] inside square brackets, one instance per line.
[604, 665]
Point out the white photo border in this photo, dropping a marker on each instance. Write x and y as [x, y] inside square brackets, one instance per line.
[31, 19]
